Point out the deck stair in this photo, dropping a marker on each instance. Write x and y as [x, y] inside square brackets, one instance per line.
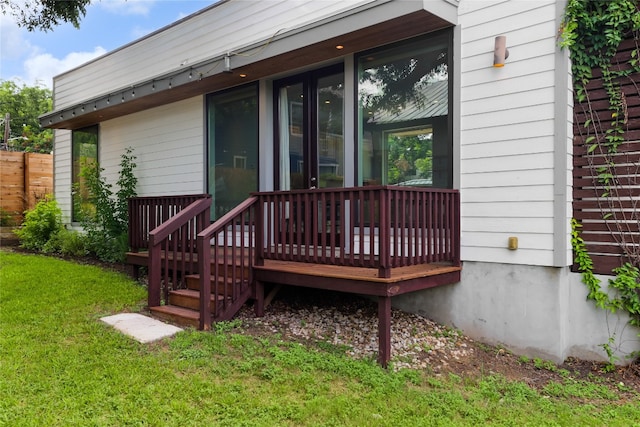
[182, 306]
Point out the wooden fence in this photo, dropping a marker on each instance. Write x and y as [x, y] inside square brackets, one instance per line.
[609, 214]
[25, 178]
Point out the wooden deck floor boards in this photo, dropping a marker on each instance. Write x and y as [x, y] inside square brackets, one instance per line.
[398, 274]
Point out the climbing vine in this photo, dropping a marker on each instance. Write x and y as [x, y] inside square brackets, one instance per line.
[593, 31]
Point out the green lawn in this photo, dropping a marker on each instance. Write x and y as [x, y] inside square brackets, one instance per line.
[61, 366]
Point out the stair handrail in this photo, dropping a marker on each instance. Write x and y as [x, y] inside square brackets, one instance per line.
[149, 212]
[198, 210]
[204, 248]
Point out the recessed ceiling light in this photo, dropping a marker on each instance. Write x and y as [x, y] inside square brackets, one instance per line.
[339, 47]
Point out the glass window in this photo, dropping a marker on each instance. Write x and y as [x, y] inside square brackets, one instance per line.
[232, 147]
[84, 152]
[405, 135]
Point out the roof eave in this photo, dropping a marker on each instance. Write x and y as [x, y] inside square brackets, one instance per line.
[287, 52]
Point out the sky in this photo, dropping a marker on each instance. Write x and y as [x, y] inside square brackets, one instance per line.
[34, 58]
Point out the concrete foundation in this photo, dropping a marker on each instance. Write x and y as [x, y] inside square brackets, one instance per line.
[530, 310]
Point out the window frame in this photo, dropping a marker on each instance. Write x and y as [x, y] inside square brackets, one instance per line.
[444, 36]
[210, 142]
[76, 168]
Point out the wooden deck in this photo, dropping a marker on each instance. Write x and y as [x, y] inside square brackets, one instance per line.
[365, 281]
[392, 240]
[356, 280]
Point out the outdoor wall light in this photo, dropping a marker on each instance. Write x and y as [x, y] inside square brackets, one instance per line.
[227, 64]
[500, 51]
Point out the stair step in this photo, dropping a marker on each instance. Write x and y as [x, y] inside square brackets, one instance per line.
[179, 315]
[189, 298]
[193, 283]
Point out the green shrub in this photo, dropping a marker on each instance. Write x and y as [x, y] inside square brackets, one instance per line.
[106, 220]
[40, 224]
[67, 242]
[105, 246]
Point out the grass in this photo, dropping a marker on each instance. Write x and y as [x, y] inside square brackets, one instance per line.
[61, 366]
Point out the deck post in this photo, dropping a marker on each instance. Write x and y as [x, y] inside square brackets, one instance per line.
[204, 270]
[154, 273]
[384, 258]
[384, 330]
[259, 304]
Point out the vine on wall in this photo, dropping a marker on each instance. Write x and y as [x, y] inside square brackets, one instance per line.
[593, 31]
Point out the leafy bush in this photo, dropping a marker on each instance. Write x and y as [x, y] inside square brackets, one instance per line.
[105, 246]
[67, 242]
[40, 224]
[106, 222]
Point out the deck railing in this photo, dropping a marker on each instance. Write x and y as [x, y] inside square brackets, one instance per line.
[172, 249]
[147, 213]
[379, 227]
[376, 227]
[227, 252]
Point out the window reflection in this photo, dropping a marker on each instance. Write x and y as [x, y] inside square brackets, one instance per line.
[404, 128]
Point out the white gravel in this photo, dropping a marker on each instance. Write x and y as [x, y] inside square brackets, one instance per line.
[351, 323]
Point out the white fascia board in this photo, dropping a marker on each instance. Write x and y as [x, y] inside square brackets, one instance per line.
[445, 9]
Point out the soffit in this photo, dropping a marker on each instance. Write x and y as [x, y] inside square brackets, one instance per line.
[127, 101]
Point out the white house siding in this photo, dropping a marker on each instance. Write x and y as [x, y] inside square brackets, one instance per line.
[226, 27]
[62, 172]
[508, 132]
[168, 142]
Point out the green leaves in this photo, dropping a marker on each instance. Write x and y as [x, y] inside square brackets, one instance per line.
[106, 223]
[626, 283]
[40, 224]
[585, 266]
[24, 104]
[46, 14]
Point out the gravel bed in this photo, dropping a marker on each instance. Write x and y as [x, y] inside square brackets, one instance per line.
[351, 322]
